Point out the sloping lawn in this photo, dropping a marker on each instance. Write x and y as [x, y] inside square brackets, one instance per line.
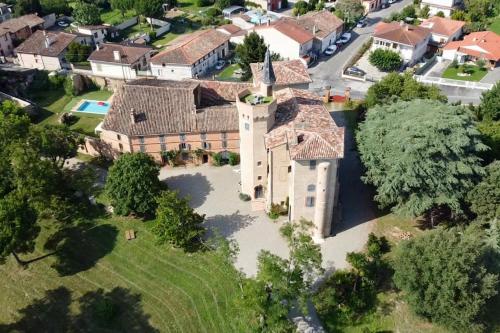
[180, 26]
[157, 288]
[476, 75]
[115, 17]
[228, 72]
[495, 26]
[55, 102]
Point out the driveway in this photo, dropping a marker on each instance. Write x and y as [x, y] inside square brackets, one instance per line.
[214, 192]
[492, 76]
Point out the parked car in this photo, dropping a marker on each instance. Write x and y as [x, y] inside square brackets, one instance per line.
[345, 38]
[391, 1]
[331, 50]
[384, 5]
[361, 23]
[220, 64]
[354, 71]
[63, 24]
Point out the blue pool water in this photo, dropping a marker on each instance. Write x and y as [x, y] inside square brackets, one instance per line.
[257, 17]
[94, 107]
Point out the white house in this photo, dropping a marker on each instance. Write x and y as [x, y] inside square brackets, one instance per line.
[445, 6]
[96, 34]
[287, 38]
[408, 40]
[5, 13]
[235, 33]
[45, 50]
[443, 30]
[191, 55]
[484, 45]
[325, 27]
[118, 61]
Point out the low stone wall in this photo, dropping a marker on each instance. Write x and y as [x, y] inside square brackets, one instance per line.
[128, 23]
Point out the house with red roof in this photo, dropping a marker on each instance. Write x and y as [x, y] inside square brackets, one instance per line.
[478, 45]
[443, 30]
[408, 40]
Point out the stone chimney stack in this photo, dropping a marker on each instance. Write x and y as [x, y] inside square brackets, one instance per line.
[117, 55]
[97, 47]
[314, 30]
[47, 39]
[132, 115]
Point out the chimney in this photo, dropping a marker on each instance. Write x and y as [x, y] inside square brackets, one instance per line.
[117, 55]
[314, 30]
[132, 115]
[401, 23]
[97, 47]
[47, 40]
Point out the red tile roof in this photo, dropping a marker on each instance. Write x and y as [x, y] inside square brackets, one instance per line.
[442, 26]
[188, 49]
[321, 24]
[287, 72]
[289, 28]
[231, 29]
[482, 44]
[129, 54]
[36, 43]
[401, 33]
[15, 24]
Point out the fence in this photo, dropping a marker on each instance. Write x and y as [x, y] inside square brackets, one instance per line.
[426, 66]
[163, 25]
[454, 83]
[127, 24]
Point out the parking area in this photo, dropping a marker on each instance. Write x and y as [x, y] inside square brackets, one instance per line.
[370, 70]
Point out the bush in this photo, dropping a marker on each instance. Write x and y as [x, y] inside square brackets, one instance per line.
[217, 159]
[277, 210]
[385, 60]
[203, 3]
[170, 156]
[300, 8]
[234, 158]
[69, 87]
[213, 12]
[57, 81]
[454, 63]
[245, 197]
[440, 14]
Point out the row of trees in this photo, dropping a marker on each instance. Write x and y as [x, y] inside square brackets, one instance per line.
[477, 13]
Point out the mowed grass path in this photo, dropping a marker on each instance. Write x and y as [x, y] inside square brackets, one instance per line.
[179, 292]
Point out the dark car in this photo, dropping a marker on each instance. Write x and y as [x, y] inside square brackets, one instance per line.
[355, 71]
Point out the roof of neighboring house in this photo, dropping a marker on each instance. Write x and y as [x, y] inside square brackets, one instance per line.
[129, 54]
[219, 92]
[289, 28]
[188, 49]
[320, 24]
[287, 72]
[442, 26]
[36, 43]
[167, 107]
[483, 44]
[305, 124]
[15, 24]
[401, 33]
[230, 29]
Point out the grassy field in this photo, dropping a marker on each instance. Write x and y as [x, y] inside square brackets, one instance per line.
[115, 17]
[180, 26]
[156, 288]
[476, 75]
[55, 102]
[495, 26]
[228, 73]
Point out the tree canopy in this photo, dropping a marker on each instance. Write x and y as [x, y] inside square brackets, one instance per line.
[404, 87]
[122, 5]
[176, 222]
[485, 197]
[489, 107]
[348, 10]
[78, 52]
[58, 7]
[86, 13]
[420, 155]
[149, 8]
[133, 184]
[445, 276]
[385, 60]
[23, 7]
[252, 50]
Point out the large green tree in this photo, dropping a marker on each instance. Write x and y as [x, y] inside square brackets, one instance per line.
[420, 155]
[485, 197]
[122, 5]
[177, 223]
[78, 52]
[23, 7]
[404, 87]
[349, 10]
[133, 184]
[58, 7]
[86, 13]
[489, 108]
[149, 8]
[385, 60]
[445, 276]
[253, 49]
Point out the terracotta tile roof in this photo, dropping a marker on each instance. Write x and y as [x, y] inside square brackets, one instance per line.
[220, 92]
[442, 26]
[401, 33]
[485, 44]
[305, 124]
[129, 54]
[36, 43]
[323, 23]
[188, 49]
[15, 24]
[289, 28]
[286, 72]
[165, 107]
[230, 29]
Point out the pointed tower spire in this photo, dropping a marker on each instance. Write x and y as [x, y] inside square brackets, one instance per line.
[268, 77]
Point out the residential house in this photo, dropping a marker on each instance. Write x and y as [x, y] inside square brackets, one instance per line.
[443, 30]
[408, 40]
[45, 50]
[371, 5]
[483, 45]
[444, 6]
[287, 38]
[192, 55]
[289, 145]
[22, 27]
[6, 46]
[5, 12]
[94, 34]
[288, 74]
[269, 4]
[325, 27]
[235, 33]
[119, 61]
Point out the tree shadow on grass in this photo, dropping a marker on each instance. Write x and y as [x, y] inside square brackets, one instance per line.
[79, 247]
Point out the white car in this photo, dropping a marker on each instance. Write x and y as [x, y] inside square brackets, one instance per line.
[63, 24]
[345, 38]
[220, 64]
[331, 49]
[391, 1]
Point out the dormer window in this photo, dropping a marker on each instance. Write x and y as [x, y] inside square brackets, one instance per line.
[300, 138]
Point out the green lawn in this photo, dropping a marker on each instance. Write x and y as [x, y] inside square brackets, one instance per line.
[495, 26]
[55, 102]
[156, 287]
[180, 26]
[228, 72]
[476, 75]
[135, 30]
[115, 17]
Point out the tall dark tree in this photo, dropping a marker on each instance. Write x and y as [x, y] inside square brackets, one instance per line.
[86, 13]
[133, 184]
[445, 276]
[149, 8]
[23, 7]
[489, 107]
[58, 7]
[420, 155]
[485, 197]
[122, 5]
[252, 50]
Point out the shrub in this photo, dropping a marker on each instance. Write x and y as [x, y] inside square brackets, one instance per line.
[234, 158]
[440, 14]
[277, 210]
[454, 63]
[213, 12]
[245, 197]
[481, 63]
[69, 87]
[385, 60]
[57, 81]
[217, 159]
[170, 156]
[203, 3]
[300, 8]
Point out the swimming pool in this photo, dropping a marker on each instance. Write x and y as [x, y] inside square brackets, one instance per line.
[97, 107]
[258, 17]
